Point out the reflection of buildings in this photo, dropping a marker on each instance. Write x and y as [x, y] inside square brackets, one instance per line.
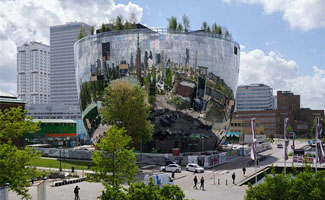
[254, 97]
[170, 53]
[33, 68]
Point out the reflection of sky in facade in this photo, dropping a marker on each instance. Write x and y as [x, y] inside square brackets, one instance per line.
[215, 53]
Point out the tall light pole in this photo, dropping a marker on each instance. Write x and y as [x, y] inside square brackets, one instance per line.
[60, 168]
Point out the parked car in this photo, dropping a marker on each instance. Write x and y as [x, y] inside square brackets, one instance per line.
[194, 168]
[168, 162]
[159, 179]
[280, 146]
[171, 168]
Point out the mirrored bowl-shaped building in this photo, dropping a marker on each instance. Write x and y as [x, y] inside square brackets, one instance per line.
[109, 55]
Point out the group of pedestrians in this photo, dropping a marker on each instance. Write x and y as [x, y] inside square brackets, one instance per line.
[201, 181]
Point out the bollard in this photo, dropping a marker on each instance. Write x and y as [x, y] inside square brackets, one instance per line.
[226, 182]
[6, 193]
[218, 181]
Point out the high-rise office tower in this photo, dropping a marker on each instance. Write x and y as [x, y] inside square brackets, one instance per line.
[254, 97]
[33, 73]
[63, 78]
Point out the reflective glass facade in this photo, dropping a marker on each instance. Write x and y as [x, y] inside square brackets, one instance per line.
[218, 53]
[98, 56]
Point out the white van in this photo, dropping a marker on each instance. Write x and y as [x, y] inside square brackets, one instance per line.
[159, 179]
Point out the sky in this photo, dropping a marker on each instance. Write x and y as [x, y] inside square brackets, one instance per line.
[282, 41]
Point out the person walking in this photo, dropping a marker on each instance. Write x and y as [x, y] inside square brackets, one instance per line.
[202, 183]
[76, 193]
[233, 177]
[195, 182]
[244, 170]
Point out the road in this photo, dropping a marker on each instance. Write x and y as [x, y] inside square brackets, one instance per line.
[222, 174]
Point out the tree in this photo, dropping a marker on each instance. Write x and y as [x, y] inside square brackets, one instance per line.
[313, 129]
[13, 161]
[103, 28]
[92, 30]
[125, 105]
[214, 28]
[115, 162]
[186, 23]
[227, 34]
[204, 26]
[172, 23]
[180, 27]
[118, 23]
[153, 192]
[169, 78]
[306, 185]
[82, 33]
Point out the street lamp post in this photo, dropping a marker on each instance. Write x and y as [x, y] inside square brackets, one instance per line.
[60, 168]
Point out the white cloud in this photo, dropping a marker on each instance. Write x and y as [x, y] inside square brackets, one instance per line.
[27, 20]
[302, 14]
[281, 74]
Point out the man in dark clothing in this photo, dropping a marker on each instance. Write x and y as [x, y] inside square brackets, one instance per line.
[202, 183]
[76, 193]
[195, 182]
[233, 177]
[244, 170]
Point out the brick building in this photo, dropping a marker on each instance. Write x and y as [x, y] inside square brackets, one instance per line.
[288, 106]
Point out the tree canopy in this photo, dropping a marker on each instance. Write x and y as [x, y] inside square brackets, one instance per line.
[14, 162]
[141, 191]
[186, 23]
[172, 23]
[125, 105]
[115, 162]
[313, 129]
[307, 185]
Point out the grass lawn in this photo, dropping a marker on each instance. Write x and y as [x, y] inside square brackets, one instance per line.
[66, 164]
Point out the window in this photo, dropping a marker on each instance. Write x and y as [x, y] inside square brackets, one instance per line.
[235, 50]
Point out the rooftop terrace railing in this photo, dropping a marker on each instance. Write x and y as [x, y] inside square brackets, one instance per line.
[161, 31]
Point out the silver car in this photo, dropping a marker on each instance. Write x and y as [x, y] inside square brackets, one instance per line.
[194, 168]
[171, 168]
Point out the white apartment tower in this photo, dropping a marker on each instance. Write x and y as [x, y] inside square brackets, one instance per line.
[63, 77]
[254, 97]
[33, 73]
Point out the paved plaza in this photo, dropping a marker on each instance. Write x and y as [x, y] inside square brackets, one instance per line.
[221, 174]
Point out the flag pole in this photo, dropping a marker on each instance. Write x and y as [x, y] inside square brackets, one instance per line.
[255, 167]
[316, 141]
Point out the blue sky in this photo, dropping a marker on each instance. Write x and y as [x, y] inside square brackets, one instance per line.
[284, 40]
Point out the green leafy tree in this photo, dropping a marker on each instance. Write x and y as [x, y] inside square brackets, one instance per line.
[219, 30]
[313, 129]
[118, 25]
[204, 26]
[14, 162]
[169, 78]
[186, 23]
[172, 23]
[92, 30]
[290, 129]
[82, 33]
[115, 162]
[153, 192]
[307, 185]
[179, 27]
[125, 105]
[103, 28]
